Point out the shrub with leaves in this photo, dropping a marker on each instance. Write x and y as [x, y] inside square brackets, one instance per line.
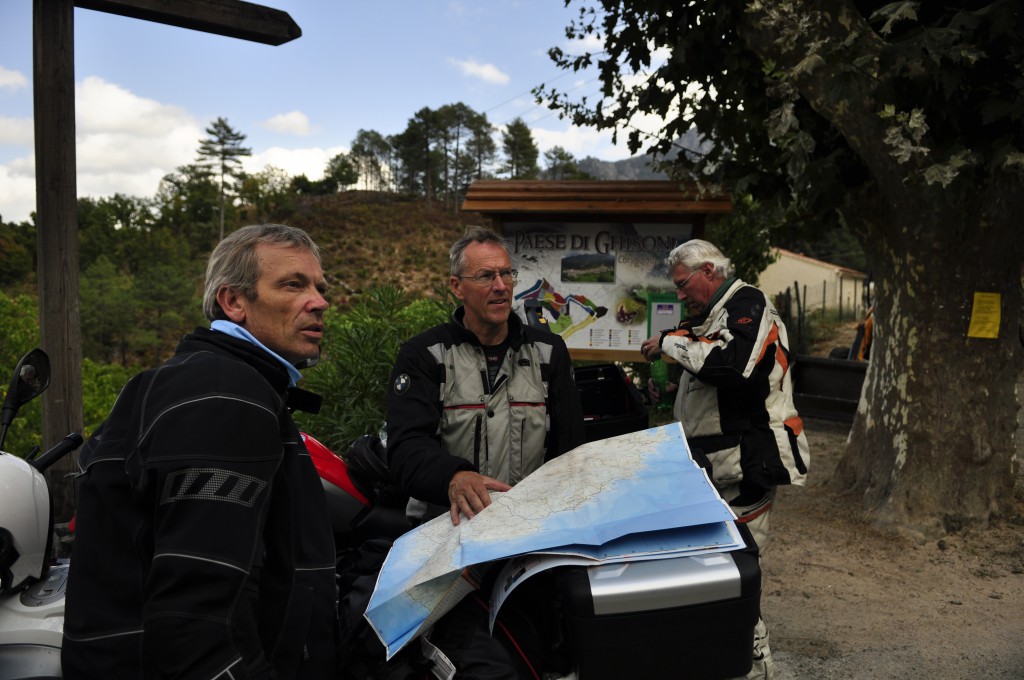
[18, 319]
[359, 352]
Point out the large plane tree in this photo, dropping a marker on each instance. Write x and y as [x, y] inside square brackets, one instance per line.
[903, 121]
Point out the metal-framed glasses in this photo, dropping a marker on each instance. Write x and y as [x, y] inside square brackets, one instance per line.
[488, 277]
[682, 286]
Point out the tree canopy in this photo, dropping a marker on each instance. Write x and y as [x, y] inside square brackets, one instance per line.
[903, 121]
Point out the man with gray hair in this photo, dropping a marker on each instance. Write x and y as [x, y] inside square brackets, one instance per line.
[478, 403]
[735, 396]
[203, 547]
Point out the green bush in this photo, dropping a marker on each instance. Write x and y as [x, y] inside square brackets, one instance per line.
[359, 351]
[101, 383]
[18, 319]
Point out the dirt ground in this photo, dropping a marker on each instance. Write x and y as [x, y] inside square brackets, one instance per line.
[844, 600]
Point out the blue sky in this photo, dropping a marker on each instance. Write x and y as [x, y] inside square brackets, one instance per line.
[145, 92]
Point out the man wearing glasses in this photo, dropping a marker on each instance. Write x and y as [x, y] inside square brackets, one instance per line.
[478, 403]
[735, 396]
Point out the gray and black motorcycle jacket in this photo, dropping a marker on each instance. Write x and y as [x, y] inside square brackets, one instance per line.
[444, 415]
[203, 547]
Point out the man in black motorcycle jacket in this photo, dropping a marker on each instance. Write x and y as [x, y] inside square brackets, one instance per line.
[478, 403]
[203, 547]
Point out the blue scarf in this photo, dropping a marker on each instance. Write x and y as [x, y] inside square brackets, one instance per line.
[236, 331]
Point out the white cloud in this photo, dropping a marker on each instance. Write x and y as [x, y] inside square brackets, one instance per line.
[489, 73]
[124, 144]
[310, 162]
[588, 43]
[101, 106]
[16, 131]
[12, 79]
[293, 123]
[580, 142]
[17, 190]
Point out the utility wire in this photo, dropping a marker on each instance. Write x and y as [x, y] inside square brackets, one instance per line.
[522, 94]
[551, 112]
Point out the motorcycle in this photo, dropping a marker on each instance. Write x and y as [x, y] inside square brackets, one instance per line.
[32, 582]
[363, 503]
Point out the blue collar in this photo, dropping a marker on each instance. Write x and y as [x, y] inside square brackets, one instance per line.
[236, 331]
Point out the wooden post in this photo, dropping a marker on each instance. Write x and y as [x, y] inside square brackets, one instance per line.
[57, 233]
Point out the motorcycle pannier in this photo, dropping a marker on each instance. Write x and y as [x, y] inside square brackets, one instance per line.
[683, 617]
[612, 405]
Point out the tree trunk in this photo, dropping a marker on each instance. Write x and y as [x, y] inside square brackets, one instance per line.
[932, 446]
[221, 206]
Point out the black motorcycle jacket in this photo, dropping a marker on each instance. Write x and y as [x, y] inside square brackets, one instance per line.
[445, 416]
[202, 547]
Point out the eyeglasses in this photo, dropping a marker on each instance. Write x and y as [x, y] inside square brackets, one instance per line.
[682, 286]
[488, 277]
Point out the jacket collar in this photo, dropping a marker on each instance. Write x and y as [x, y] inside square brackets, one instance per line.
[202, 339]
[515, 329]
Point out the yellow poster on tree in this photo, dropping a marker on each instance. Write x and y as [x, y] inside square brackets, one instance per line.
[985, 316]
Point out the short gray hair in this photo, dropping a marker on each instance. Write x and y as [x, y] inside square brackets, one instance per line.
[457, 254]
[234, 262]
[696, 252]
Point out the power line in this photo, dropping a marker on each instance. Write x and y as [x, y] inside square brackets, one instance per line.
[551, 111]
[548, 82]
[521, 94]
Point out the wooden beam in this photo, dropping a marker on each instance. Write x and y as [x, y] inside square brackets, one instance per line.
[551, 197]
[231, 18]
[57, 233]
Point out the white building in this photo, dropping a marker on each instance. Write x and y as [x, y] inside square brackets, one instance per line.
[820, 284]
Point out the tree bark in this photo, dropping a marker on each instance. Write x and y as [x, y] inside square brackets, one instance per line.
[932, 446]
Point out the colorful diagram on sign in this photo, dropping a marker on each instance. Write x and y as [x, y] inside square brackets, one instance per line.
[569, 313]
[631, 311]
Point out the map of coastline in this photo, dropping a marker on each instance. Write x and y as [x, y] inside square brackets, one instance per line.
[639, 482]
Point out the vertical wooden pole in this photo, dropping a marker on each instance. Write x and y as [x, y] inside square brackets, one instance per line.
[57, 233]
[840, 298]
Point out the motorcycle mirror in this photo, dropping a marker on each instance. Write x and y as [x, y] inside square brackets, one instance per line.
[31, 378]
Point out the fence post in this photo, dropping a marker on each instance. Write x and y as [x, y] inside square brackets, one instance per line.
[803, 319]
[840, 299]
[798, 326]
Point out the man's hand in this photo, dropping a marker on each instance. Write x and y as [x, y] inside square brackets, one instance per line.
[655, 394]
[651, 348]
[468, 493]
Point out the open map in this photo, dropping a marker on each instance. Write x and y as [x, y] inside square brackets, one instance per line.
[602, 491]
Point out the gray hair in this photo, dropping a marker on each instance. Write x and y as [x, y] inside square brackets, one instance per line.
[696, 252]
[457, 254]
[234, 262]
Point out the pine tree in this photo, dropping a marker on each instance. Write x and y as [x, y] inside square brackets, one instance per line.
[223, 151]
[520, 151]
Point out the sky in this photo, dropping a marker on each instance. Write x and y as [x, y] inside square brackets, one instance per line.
[146, 92]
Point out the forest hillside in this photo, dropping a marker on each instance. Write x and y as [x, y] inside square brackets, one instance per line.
[370, 238]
